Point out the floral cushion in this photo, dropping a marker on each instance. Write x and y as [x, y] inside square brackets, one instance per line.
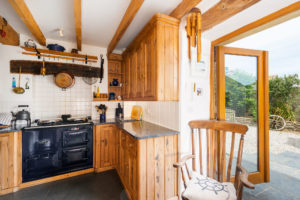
[205, 188]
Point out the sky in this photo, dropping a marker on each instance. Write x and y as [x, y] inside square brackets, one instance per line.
[283, 44]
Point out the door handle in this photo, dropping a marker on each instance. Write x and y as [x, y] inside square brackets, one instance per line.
[105, 141]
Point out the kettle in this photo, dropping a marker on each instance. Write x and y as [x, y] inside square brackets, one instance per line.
[21, 115]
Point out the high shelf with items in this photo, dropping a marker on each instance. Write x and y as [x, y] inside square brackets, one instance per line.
[115, 72]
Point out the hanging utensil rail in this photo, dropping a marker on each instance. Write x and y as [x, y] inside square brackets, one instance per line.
[58, 57]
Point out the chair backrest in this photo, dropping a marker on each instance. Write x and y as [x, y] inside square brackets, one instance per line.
[216, 146]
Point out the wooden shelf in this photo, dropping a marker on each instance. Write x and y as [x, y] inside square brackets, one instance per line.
[115, 86]
[60, 53]
[103, 99]
[100, 99]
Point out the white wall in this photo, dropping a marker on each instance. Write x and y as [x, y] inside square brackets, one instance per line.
[192, 106]
[164, 113]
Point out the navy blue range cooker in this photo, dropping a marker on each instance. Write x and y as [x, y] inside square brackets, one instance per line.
[56, 149]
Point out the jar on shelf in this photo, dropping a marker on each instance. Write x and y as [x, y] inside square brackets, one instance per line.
[115, 82]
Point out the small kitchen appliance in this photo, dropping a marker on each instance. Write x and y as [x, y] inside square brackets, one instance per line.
[119, 112]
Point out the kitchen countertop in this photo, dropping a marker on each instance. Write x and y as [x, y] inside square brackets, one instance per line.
[144, 129]
[140, 129]
[137, 129]
[11, 129]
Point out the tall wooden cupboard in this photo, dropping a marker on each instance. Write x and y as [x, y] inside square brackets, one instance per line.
[150, 63]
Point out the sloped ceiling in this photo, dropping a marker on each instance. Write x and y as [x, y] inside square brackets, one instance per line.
[100, 19]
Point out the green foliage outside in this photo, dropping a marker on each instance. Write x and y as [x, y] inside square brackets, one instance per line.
[282, 92]
[241, 98]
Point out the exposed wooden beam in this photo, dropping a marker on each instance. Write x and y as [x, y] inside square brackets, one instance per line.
[184, 7]
[130, 13]
[224, 10]
[11, 36]
[77, 15]
[24, 13]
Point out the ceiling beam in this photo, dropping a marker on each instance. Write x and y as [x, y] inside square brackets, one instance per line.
[130, 13]
[11, 36]
[224, 10]
[24, 13]
[184, 7]
[77, 15]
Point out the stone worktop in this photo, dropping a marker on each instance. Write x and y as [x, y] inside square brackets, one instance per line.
[140, 129]
[137, 129]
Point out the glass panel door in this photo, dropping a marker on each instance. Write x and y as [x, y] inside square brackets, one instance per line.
[241, 88]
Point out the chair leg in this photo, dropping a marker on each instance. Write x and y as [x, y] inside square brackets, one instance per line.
[240, 193]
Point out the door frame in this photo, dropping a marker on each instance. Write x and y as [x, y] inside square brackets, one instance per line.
[266, 22]
[262, 103]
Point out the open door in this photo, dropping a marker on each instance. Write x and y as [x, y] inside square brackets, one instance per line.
[243, 97]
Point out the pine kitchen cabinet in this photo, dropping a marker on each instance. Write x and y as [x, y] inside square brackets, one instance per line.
[105, 153]
[150, 63]
[146, 162]
[10, 161]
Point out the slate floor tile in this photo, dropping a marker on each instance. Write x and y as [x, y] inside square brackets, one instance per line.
[102, 186]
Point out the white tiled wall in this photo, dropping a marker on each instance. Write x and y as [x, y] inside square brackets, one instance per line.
[110, 112]
[164, 113]
[50, 101]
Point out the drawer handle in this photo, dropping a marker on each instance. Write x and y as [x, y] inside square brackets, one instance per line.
[105, 141]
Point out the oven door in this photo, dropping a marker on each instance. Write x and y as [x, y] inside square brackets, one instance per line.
[75, 138]
[75, 156]
[40, 166]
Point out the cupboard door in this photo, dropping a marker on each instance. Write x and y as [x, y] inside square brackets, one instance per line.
[127, 77]
[107, 146]
[150, 68]
[6, 161]
[133, 75]
[140, 71]
[97, 147]
[122, 154]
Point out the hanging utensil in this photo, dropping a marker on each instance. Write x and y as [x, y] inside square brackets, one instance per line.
[101, 68]
[90, 80]
[19, 90]
[64, 80]
[43, 68]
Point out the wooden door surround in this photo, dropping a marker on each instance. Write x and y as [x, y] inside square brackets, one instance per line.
[268, 21]
[262, 175]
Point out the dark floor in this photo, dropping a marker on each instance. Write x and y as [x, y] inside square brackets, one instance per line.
[101, 186]
[284, 179]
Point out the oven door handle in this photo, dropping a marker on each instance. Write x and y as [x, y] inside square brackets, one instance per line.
[75, 132]
[75, 150]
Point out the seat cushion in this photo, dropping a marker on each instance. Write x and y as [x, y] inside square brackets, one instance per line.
[205, 188]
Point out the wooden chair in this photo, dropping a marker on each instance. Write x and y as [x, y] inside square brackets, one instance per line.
[216, 185]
